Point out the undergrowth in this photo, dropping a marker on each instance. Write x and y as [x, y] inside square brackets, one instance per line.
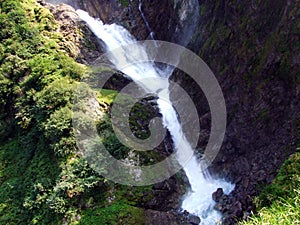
[279, 202]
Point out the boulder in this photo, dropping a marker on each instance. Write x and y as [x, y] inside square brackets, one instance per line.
[217, 194]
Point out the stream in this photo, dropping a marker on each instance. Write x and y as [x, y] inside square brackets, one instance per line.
[199, 200]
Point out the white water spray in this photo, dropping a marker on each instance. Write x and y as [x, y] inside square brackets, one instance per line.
[199, 201]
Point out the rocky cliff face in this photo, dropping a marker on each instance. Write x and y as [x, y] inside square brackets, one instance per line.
[161, 208]
[170, 20]
[253, 49]
[79, 42]
[107, 11]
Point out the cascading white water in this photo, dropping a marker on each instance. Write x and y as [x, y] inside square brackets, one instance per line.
[151, 33]
[199, 201]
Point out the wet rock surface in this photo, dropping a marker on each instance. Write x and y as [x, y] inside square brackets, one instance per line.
[260, 89]
[169, 20]
[107, 11]
[260, 92]
[171, 217]
[217, 194]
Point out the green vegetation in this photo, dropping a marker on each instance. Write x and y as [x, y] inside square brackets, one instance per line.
[107, 96]
[202, 10]
[116, 214]
[279, 202]
[124, 3]
[139, 116]
[42, 179]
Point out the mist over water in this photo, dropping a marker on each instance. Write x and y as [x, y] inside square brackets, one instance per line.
[199, 200]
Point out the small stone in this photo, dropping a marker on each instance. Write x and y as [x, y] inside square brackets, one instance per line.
[194, 220]
[237, 209]
[261, 175]
[185, 212]
[217, 194]
[245, 182]
[218, 207]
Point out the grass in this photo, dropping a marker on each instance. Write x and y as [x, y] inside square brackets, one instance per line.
[279, 203]
[282, 212]
[114, 214]
[107, 96]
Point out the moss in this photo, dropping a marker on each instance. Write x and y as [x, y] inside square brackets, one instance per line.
[287, 180]
[134, 196]
[264, 115]
[279, 202]
[202, 10]
[115, 214]
[139, 118]
[107, 96]
[124, 3]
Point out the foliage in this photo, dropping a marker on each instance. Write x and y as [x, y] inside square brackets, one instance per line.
[287, 180]
[139, 118]
[116, 214]
[42, 178]
[279, 202]
[282, 212]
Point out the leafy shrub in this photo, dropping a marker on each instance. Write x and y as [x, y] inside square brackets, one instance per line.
[42, 179]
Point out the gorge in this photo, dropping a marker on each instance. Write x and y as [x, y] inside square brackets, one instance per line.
[199, 200]
[252, 48]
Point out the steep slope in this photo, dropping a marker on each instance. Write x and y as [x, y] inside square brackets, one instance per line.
[43, 180]
[253, 49]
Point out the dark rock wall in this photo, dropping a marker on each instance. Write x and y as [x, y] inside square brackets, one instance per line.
[107, 10]
[165, 17]
[253, 49]
[160, 15]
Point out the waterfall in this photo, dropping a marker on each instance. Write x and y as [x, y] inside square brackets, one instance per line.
[145, 20]
[199, 201]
